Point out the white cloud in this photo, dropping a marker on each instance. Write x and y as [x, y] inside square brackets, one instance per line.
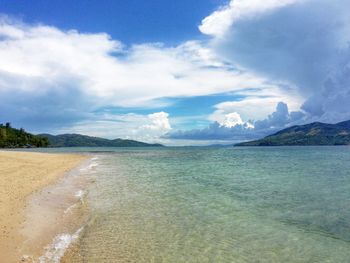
[160, 122]
[40, 57]
[252, 108]
[232, 119]
[221, 20]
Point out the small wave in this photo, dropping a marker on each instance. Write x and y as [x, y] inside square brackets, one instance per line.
[93, 165]
[89, 167]
[56, 250]
[79, 194]
[69, 208]
[94, 158]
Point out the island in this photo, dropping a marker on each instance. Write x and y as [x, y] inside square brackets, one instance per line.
[316, 133]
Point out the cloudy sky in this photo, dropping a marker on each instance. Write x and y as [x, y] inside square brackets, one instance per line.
[176, 72]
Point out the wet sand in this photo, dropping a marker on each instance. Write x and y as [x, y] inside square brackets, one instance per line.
[21, 175]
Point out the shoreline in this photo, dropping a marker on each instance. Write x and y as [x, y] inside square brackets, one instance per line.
[25, 177]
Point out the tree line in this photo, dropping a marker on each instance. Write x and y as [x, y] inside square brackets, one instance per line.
[19, 138]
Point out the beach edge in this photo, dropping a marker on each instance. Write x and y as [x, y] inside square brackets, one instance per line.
[22, 174]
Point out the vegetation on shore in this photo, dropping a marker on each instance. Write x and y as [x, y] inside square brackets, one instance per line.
[19, 138]
[316, 133]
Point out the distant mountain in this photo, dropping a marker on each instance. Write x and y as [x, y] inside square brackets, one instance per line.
[19, 138]
[77, 140]
[316, 133]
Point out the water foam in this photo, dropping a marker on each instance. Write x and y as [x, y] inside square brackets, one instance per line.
[55, 251]
[79, 194]
[91, 166]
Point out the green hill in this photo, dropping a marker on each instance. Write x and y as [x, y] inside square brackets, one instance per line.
[77, 140]
[316, 133]
[19, 138]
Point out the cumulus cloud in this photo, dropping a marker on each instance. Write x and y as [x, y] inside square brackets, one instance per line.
[303, 43]
[233, 128]
[160, 122]
[232, 119]
[229, 120]
[279, 119]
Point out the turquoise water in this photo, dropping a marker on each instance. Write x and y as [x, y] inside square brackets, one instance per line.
[279, 204]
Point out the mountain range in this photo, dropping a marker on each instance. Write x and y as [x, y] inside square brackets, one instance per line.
[78, 140]
[315, 133]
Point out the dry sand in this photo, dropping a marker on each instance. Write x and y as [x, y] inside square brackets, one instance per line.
[21, 175]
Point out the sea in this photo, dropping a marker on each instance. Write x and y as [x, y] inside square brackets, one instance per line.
[213, 204]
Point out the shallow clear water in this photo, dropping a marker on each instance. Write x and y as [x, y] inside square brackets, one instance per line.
[278, 204]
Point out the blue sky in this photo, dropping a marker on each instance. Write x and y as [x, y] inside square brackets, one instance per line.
[132, 21]
[175, 72]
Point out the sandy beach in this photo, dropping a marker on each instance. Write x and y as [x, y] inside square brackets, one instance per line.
[21, 175]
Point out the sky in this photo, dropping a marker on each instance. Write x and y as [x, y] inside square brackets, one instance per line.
[183, 72]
